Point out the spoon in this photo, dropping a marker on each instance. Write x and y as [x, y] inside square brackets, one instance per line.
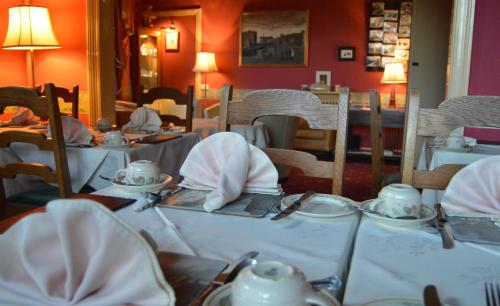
[330, 283]
[245, 260]
[384, 215]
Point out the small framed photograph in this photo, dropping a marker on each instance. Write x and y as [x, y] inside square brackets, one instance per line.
[406, 8]
[390, 27]
[172, 41]
[346, 54]
[324, 77]
[386, 59]
[373, 61]
[405, 20]
[376, 35]
[404, 31]
[403, 43]
[375, 48]
[391, 15]
[377, 9]
[388, 50]
[390, 38]
[376, 22]
[402, 55]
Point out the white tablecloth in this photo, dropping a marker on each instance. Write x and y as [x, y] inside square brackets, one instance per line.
[319, 247]
[391, 262]
[86, 164]
[433, 158]
[255, 134]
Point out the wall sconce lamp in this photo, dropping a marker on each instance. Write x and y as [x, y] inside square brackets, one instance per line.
[30, 29]
[205, 62]
[394, 73]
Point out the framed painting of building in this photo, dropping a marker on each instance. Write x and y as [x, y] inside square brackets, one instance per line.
[274, 38]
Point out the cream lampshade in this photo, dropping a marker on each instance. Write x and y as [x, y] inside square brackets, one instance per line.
[205, 62]
[30, 29]
[394, 73]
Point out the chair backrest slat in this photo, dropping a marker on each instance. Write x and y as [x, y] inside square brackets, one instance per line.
[377, 142]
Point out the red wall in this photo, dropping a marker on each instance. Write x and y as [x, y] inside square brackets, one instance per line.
[172, 63]
[64, 67]
[485, 59]
[333, 23]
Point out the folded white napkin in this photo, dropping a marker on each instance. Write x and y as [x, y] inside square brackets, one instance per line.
[226, 164]
[469, 141]
[475, 190]
[75, 132]
[143, 120]
[79, 253]
[22, 116]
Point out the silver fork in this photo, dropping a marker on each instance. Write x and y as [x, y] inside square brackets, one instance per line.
[492, 292]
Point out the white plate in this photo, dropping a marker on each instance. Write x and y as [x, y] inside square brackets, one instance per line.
[322, 205]
[164, 180]
[122, 146]
[395, 302]
[427, 214]
[222, 297]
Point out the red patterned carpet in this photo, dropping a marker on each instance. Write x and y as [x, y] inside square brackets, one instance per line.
[357, 181]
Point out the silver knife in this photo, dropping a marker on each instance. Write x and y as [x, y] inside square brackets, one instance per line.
[294, 206]
[157, 198]
[443, 227]
[431, 297]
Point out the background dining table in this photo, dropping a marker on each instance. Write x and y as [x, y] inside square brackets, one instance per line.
[320, 247]
[86, 164]
[398, 262]
[431, 158]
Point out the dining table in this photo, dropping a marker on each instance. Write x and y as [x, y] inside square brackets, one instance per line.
[397, 263]
[88, 164]
[431, 157]
[319, 247]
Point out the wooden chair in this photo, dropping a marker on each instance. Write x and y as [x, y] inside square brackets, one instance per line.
[69, 96]
[299, 104]
[426, 122]
[173, 94]
[45, 106]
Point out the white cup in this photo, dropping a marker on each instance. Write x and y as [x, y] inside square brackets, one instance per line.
[103, 125]
[115, 138]
[455, 142]
[398, 200]
[272, 283]
[140, 172]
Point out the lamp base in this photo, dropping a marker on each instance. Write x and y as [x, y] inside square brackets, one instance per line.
[392, 99]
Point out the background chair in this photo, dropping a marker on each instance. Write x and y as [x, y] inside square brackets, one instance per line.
[299, 104]
[450, 114]
[158, 93]
[45, 106]
[69, 96]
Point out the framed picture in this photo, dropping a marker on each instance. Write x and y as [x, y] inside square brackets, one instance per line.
[386, 59]
[324, 77]
[388, 50]
[376, 22]
[391, 27]
[406, 8]
[276, 38]
[172, 41]
[403, 43]
[402, 55]
[375, 48]
[391, 15]
[404, 31]
[405, 20]
[346, 54]
[377, 9]
[376, 35]
[390, 38]
[373, 61]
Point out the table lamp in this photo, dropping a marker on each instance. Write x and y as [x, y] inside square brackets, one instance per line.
[30, 29]
[205, 62]
[394, 73]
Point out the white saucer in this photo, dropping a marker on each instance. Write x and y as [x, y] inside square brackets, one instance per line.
[395, 302]
[322, 205]
[222, 297]
[427, 214]
[164, 180]
[122, 146]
